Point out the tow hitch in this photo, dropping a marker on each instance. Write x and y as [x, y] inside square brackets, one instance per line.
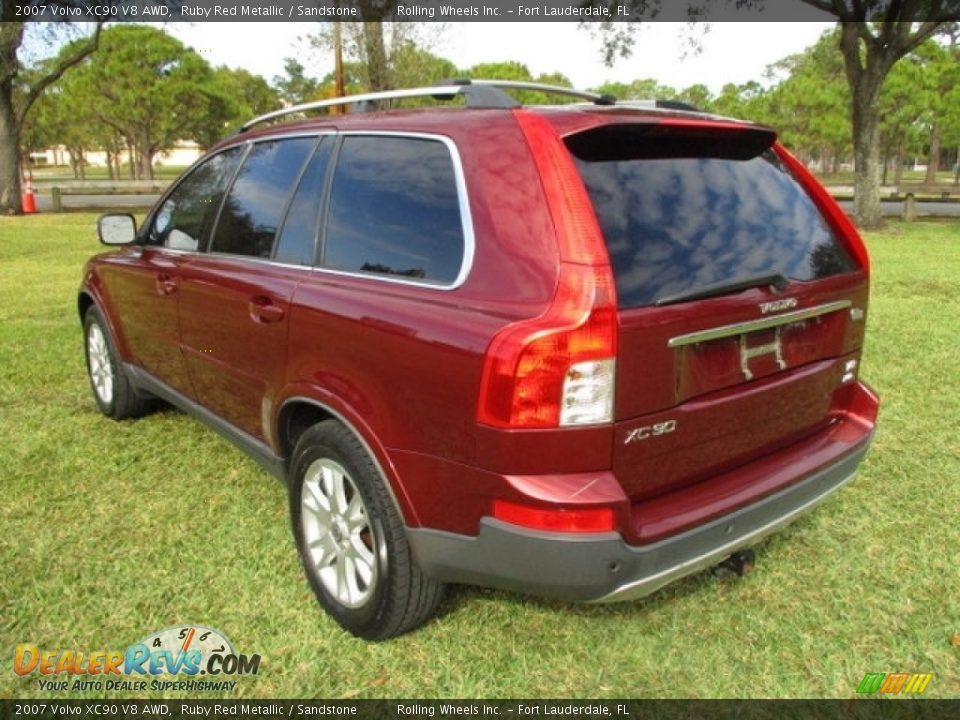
[741, 562]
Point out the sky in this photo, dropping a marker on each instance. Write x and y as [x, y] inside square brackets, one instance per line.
[731, 52]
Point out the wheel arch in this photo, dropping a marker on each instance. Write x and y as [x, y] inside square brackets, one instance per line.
[299, 412]
[90, 295]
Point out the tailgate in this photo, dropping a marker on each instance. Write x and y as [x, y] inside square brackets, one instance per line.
[741, 308]
[699, 393]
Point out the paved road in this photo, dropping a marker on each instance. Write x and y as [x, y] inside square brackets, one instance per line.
[891, 208]
[894, 208]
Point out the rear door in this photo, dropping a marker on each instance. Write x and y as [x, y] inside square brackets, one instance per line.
[235, 299]
[739, 305]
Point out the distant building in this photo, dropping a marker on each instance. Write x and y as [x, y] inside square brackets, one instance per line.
[184, 152]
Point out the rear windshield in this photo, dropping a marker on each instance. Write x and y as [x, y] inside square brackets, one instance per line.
[674, 225]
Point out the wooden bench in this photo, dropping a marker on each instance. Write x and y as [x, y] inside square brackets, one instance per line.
[936, 193]
[57, 192]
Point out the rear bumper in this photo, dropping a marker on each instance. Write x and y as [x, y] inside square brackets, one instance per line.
[601, 567]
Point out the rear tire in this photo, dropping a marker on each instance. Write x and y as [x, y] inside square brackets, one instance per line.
[116, 396]
[351, 539]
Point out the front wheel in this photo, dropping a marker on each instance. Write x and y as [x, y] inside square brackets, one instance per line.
[351, 539]
[115, 394]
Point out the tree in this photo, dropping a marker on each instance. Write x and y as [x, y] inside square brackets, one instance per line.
[639, 89]
[870, 50]
[874, 35]
[938, 76]
[903, 107]
[153, 90]
[378, 47]
[513, 70]
[810, 106]
[18, 93]
[236, 96]
[295, 87]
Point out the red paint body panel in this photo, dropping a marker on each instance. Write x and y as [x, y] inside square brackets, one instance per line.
[143, 289]
[236, 355]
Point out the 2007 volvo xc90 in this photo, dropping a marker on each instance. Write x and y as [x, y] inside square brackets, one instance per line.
[579, 350]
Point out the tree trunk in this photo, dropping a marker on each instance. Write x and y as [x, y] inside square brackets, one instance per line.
[933, 162]
[865, 76]
[866, 160]
[10, 201]
[378, 73]
[146, 164]
[898, 167]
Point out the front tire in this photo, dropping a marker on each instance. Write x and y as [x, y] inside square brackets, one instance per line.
[351, 540]
[116, 396]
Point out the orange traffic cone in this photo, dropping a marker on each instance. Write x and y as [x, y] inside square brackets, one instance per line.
[28, 198]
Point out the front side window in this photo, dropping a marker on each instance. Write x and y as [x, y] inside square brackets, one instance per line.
[185, 216]
[255, 204]
[394, 210]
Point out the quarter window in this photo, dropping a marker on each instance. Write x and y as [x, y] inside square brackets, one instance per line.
[185, 216]
[254, 206]
[394, 210]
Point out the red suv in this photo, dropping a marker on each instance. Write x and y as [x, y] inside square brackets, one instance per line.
[579, 350]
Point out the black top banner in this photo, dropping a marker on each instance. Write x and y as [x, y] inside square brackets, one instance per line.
[480, 10]
[264, 709]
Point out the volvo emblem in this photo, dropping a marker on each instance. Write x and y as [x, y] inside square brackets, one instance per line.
[777, 305]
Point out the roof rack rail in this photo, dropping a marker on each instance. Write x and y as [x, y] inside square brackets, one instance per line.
[478, 94]
[595, 98]
[660, 105]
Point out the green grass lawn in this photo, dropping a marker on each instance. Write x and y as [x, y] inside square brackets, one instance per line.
[112, 531]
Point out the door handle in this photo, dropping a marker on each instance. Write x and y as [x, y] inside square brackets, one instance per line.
[263, 310]
[166, 284]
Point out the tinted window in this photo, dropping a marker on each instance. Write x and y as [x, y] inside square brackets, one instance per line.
[255, 203]
[394, 209]
[185, 216]
[674, 225]
[296, 241]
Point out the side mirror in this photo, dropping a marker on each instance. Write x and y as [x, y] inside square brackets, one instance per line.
[117, 229]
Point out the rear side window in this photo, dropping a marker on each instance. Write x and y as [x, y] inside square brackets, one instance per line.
[296, 244]
[674, 225]
[394, 210]
[254, 206]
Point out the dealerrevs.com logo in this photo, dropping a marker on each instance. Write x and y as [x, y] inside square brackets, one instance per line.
[190, 650]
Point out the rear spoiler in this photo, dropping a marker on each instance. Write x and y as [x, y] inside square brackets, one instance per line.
[671, 138]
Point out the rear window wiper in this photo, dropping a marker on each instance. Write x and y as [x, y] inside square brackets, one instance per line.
[776, 280]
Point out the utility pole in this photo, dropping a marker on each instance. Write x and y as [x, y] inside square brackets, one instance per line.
[339, 85]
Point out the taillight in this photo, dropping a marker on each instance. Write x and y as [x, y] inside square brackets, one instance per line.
[555, 519]
[558, 369]
[835, 215]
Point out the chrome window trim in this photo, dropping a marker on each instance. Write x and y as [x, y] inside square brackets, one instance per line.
[466, 218]
[766, 323]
